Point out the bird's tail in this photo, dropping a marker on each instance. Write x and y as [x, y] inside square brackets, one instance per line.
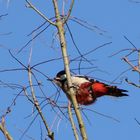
[114, 91]
[101, 89]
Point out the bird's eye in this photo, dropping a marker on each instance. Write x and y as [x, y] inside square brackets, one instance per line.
[63, 77]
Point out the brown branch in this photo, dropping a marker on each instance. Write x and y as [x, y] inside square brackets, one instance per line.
[37, 106]
[135, 68]
[71, 93]
[59, 24]
[30, 5]
[4, 130]
[72, 122]
[69, 12]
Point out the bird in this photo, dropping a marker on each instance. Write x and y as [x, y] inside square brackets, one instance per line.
[86, 89]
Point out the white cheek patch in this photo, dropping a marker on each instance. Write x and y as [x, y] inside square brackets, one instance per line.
[63, 77]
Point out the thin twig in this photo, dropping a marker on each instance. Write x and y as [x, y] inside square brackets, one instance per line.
[72, 38]
[72, 122]
[135, 68]
[21, 131]
[33, 38]
[28, 127]
[88, 26]
[131, 83]
[3, 15]
[16, 69]
[43, 62]
[4, 130]
[91, 51]
[37, 28]
[69, 12]
[130, 42]
[50, 134]
[17, 60]
[101, 114]
[128, 49]
[137, 121]
[30, 5]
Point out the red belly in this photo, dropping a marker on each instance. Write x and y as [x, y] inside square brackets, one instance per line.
[84, 95]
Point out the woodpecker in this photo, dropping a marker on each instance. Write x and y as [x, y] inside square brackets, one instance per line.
[87, 90]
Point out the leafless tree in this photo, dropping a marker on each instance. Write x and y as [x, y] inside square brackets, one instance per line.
[34, 90]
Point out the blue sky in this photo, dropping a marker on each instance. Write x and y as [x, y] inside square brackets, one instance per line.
[114, 19]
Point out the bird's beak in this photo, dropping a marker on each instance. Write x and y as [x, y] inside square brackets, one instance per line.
[56, 80]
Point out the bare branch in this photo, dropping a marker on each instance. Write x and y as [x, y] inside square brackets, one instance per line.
[88, 26]
[81, 55]
[137, 121]
[33, 38]
[91, 51]
[69, 12]
[40, 63]
[135, 68]
[101, 114]
[50, 134]
[30, 5]
[3, 15]
[4, 130]
[131, 83]
[72, 122]
[71, 93]
[130, 42]
[17, 60]
[37, 28]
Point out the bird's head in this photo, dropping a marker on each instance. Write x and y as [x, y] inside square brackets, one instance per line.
[60, 78]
